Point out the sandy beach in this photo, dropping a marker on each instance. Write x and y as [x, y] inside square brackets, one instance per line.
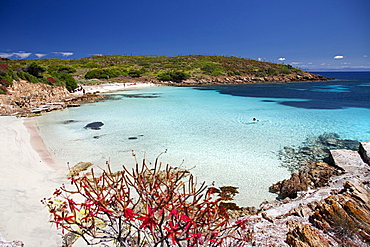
[110, 87]
[28, 174]
[26, 178]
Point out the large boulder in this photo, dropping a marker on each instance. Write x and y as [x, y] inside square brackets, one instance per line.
[306, 236]
[346, 216]
[316, 174]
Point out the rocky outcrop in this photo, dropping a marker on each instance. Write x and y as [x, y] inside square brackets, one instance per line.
[346, 216]
[317, 174]
[306, 236]
[333, 211]
[290, 187]
[364, 151]
[25, 98]
[244, 79]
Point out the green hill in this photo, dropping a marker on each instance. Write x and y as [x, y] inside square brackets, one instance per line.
[190, 69]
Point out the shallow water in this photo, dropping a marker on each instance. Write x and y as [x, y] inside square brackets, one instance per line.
[211, 128]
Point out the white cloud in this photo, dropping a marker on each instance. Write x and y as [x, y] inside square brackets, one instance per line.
[338, 57]
[281, 58]
[20, 54]
[295, 63]
[346, 63]
[259, 59]
[365, 55]
[323, 64]
[5, 55]
[39, 55]
[64, 54]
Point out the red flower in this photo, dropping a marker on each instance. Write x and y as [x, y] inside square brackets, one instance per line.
[129, 214]
[196, 237]
[148, 220]
[172, 230]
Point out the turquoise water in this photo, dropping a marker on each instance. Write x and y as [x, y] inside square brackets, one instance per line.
[211, 129]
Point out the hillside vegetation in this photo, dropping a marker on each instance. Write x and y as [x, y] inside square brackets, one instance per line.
[148, 68]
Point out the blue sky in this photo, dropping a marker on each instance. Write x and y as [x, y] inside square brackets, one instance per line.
[312, 35]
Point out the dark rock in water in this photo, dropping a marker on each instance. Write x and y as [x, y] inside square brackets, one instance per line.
[69, 121]
[132, 138]
[313, 149]
[144, 96]
[94, 125]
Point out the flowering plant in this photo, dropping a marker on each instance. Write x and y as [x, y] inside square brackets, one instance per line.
[144, 207]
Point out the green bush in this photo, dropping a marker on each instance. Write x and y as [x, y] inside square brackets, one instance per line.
[105, 73]
[232, 73]
[285, 71]
[67, 80]
[28, 77]
[61, 69]
[135, 73]
[210, 68]
[176, 76]
[272, 71]
[34, 69]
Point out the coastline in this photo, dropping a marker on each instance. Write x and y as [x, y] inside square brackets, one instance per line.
[23, 218]
[26, 179]
[111, 87]
[30, 173]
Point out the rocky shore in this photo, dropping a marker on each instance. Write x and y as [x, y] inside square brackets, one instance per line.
[28, 99]
[327, 204]
[31, 99]
[246, 79]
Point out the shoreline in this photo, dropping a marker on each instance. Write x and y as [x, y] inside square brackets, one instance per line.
[117, 86]
[38, 144]
[27, 177]
[30, 173]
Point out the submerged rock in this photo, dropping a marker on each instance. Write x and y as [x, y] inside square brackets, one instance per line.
[313, 149]
[69, 121]
[94, 125]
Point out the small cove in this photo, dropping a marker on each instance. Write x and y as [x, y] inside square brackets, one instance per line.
[212, 128]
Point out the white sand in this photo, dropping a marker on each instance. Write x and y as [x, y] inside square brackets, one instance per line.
[110, 87]
[26, 178]
[28, 174]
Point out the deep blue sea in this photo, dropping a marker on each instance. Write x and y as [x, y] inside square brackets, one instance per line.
[210, 128]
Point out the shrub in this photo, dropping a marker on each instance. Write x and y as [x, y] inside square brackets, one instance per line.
[104, 73]
[3, 89]
[145, 207]
[272, 71]
[28, 77]
[210, 68]
[34, 69]
[175, 75]
[232, 73]
[135, 73]
[286, 69]
[67, 80]
[61, 69]
[7, 75]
